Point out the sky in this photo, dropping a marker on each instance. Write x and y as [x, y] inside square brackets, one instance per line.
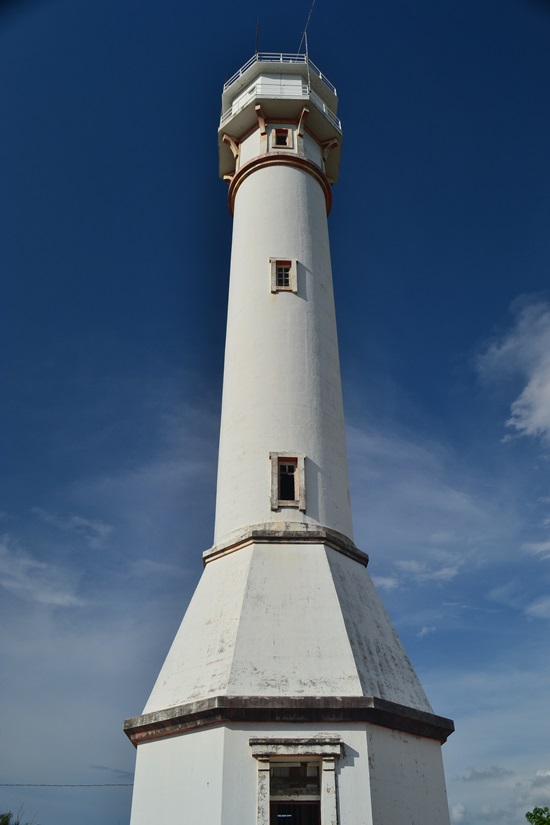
[114, 258]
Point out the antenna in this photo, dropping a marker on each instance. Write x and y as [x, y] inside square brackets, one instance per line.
[304, 35]
[257, 34]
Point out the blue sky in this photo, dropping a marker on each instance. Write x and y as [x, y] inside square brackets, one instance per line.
[114, 254]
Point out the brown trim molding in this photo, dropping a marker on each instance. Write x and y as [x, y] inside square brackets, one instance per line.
[286, 533]
[275, 159]
[223, 710]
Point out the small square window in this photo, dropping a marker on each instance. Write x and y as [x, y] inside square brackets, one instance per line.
[287, 481]
[283, 275]
[281, 138]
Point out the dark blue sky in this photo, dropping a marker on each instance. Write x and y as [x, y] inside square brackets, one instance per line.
[114, 256]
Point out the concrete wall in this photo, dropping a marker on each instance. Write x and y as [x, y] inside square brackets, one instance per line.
[406, 778]
[286, 620]
[282, 389]
[180, 780]
[383, 777]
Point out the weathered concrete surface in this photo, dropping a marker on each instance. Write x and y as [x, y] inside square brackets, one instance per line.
[282, 390]
[286, 620]
[211, 776]
[298, 710]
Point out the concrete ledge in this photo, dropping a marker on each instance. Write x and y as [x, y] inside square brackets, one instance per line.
[267, 747]
[286, 533]
[222, 710]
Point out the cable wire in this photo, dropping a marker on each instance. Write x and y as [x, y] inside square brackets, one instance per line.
[66, 785]
[304, 35]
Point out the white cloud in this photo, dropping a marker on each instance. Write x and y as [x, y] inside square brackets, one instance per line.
[539, 608]
[490, 813]
[494, 772]
[524, 352]
[458, 813]
[385, 582]
[423, 572]
[425, 631]
[538, 548]
[25, 577]
[147, 567]
[94, 531]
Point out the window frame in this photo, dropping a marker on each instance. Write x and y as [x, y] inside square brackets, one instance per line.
[293, 274]
[279, 132]
[299, 460]
[322, 750]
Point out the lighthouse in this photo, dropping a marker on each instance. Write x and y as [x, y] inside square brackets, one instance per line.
[286, 697]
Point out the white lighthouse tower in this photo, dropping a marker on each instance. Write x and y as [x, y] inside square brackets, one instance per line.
[286, 697]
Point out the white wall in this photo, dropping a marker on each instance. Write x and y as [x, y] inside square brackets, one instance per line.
[286, 620]
[282, 388]
[210, 777]
[179, 780]
[407, 779]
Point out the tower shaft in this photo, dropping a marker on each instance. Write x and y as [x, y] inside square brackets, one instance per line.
[282, 390]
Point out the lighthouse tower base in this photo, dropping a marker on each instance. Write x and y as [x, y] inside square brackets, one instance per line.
[216, 776]
[287, 699]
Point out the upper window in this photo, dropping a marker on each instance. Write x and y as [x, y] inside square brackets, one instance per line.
[281, 138]
[287, 481]
[283, 275]
[288, 472]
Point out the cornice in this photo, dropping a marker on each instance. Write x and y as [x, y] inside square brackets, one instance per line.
[286, 533]
[223, 710]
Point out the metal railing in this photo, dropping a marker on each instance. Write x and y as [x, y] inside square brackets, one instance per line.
[291, 92]
[274, 57]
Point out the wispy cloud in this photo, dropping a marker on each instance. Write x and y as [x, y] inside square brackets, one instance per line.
[538, 548]
[147, 567]
[34, 580]
[542, 779]
[458, 813]
[425, 631]
[523, 353]
[419, 499]
[94, 531]
[117, 773]
[494, 772]
[421, 571]
[539, 608]
[385, 582]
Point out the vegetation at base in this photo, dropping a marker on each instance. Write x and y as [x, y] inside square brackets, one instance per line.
[538, 816]
[7, 819]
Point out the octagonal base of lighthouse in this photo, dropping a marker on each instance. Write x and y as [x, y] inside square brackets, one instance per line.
[286, 663]
[382, 777]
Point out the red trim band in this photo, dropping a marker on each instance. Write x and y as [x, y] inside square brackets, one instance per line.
[272, 159]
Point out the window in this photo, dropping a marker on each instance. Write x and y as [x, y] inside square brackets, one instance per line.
[281, 138]
[283, 275]
[294, 793]
[297, 780]
[287, 481]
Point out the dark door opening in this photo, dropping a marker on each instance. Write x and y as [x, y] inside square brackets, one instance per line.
[295, 813]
